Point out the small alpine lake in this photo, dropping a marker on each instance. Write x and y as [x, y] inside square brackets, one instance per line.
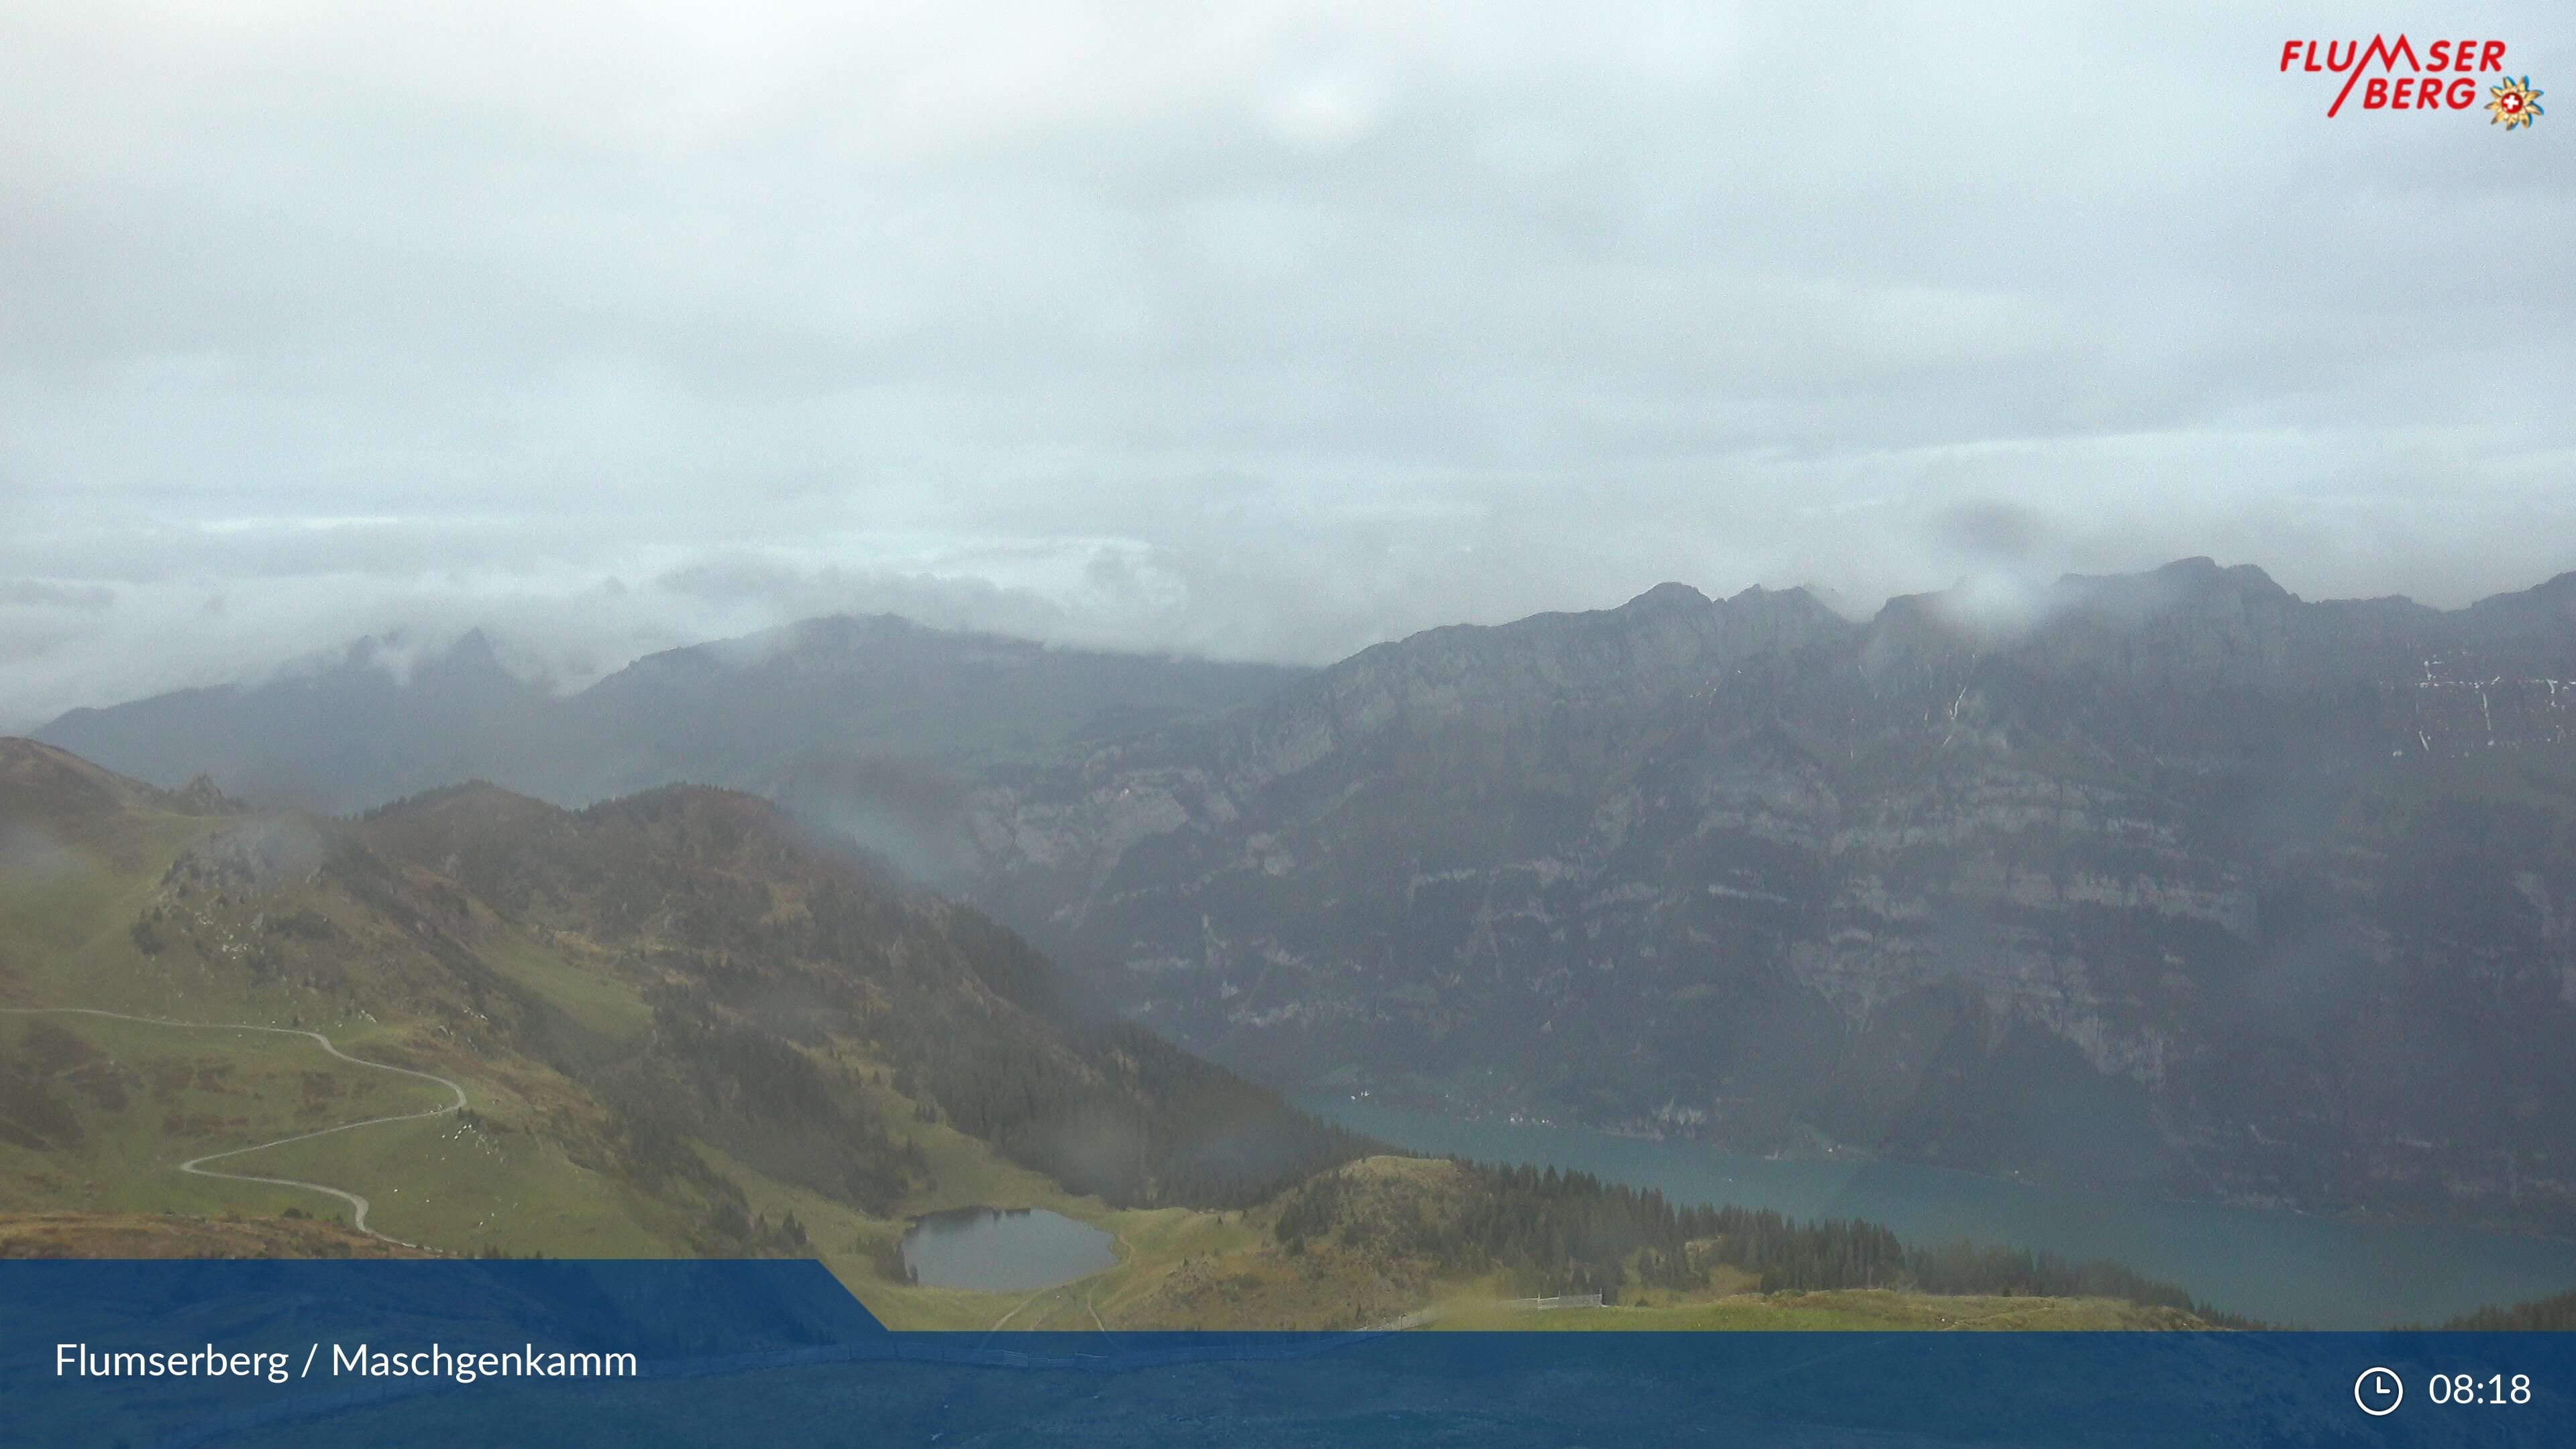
[1004, 1250]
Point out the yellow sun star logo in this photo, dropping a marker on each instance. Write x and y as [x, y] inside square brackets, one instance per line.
[2515, 103]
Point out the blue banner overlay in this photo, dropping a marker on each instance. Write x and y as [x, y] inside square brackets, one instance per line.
[379, 1353]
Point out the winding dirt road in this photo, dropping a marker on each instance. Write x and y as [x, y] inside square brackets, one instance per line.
[195, 1166]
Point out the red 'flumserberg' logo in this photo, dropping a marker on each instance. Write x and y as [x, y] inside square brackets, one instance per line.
[2394, 76]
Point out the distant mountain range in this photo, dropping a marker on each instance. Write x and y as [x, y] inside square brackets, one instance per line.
[2171, 881]
[899, 708]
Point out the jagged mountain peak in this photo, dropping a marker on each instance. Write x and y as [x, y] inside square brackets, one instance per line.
[405, 658]
[830, 644]
[1759, 594]
[1659, 639]
[1667, 595]
[1791, 603]
[825, 643]
[472, 649]
[2182, 584]
[2006, 611]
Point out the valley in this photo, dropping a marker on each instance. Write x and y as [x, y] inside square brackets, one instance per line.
[683, 1024]
[2173, 884]
[139, 900]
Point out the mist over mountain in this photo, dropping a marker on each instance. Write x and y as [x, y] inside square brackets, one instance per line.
[2173, 882]
[686, 1022]
[896, 708]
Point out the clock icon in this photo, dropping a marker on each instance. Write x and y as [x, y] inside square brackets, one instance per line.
[2378, 1391]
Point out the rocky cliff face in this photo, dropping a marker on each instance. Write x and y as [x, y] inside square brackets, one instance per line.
[2173, 880]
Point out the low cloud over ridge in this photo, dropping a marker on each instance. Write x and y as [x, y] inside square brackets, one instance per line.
[1265, 334]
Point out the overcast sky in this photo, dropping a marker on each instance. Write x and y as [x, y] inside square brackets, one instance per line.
[1262, 330]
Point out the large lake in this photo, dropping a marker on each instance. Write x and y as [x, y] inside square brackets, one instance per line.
[2287, 1268]
[1004, 1250]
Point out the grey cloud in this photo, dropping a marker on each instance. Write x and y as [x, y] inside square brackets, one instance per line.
[785, 591]
[1265, 332]
[2003, 532]
[36, 594]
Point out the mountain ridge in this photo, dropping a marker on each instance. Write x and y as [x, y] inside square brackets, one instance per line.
[2158, 879]
[683, 1022]
[2156, 883]
[377, 721]
[666, 1011]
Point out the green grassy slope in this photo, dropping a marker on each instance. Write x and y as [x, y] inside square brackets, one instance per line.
[685, 1026]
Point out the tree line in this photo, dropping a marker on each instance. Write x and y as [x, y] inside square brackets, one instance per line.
[1558, 1232]
[2556, 1313]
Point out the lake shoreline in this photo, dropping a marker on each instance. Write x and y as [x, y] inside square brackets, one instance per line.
[1315, 1100]
[1004, 1249]
[2279, 1264]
